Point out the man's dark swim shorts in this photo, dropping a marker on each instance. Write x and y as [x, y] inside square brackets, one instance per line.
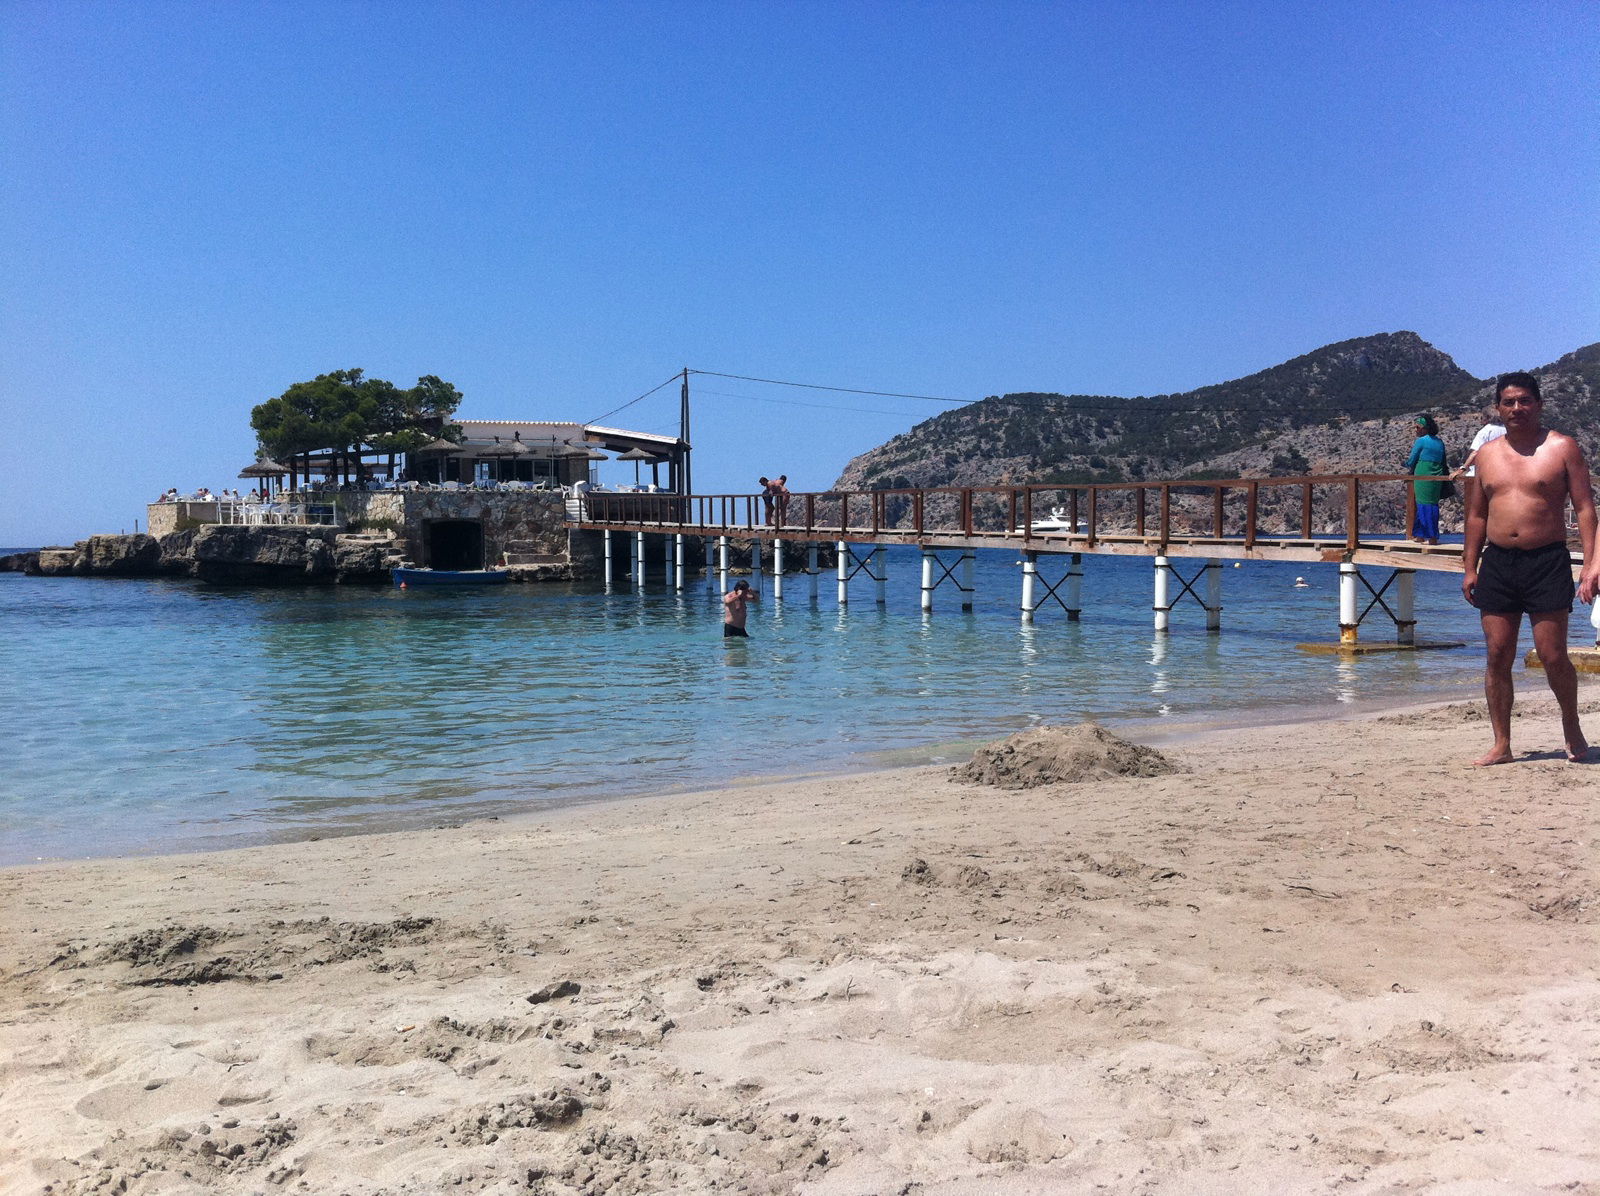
[1516, 581]
[729, 631]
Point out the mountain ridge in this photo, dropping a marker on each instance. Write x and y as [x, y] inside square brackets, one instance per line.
[1345, 407]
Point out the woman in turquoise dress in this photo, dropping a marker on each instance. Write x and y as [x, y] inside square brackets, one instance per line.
[1427, 459]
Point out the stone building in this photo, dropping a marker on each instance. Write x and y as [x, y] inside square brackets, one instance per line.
[503, 496]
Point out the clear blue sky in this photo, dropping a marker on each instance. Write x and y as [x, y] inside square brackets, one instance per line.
[557, 205]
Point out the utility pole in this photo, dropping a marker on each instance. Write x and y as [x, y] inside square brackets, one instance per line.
[683, 434]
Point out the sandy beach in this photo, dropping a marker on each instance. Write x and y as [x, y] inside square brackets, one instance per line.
[1316, 958]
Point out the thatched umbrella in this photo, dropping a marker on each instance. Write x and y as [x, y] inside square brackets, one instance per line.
[440, 445]
[636, 455]
[265, 468]
[504, 449]
[576, 450]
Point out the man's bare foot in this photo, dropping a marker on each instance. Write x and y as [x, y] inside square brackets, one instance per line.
[1497, 755]
[1577, 749]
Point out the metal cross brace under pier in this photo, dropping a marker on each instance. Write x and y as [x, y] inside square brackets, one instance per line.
[850, 564]
[1071, 581]
[931, 560]
[1211, 603]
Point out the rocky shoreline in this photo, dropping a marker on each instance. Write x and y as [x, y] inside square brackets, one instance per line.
[223, 555]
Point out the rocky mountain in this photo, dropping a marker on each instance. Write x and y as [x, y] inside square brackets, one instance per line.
[1345, 408]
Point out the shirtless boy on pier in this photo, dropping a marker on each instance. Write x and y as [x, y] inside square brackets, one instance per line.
[1525, 480]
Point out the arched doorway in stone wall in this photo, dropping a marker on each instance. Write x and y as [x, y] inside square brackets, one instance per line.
[455, 544]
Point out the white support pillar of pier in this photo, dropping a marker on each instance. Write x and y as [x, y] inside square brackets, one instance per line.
[880, 575]
[844, 573]
[722, 564]
[1213, 594]
[1030, 578]
[811, 568]
[638, 559]
[928, 561]
[777, 570]
[1349, 591]
[969, 560]
[1162, 604]
[605, 537]
[677, 562]
[1405, 606]
[1074, 587]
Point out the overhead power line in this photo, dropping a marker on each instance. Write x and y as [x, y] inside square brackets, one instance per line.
[1112, 403]
[728, 394]
[848, 390]
[636, 400]
[1147, 404]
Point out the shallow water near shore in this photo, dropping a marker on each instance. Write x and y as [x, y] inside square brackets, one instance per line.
[151, 716]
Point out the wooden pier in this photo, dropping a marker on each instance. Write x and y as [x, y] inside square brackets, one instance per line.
[1357, 522]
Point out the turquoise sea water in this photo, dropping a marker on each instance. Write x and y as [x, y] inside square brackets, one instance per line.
[146, 716]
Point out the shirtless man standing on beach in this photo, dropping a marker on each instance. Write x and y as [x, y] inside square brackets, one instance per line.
[1519, 505]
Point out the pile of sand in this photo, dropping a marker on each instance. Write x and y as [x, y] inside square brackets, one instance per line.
[1058, 755]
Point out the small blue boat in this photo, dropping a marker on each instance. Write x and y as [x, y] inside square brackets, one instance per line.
[450, 577]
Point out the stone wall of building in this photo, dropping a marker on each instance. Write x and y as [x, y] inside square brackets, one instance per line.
[162, 518]
[187, 539]
[536, 519]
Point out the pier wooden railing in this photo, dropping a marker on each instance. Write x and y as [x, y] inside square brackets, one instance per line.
[1324, 510]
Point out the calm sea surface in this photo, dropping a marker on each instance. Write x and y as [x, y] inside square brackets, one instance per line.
[145, 716]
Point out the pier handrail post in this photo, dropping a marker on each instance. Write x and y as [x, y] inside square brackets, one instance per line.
[1352, 513]
[878, 498]
[811, 513]
[1166, 515]
[1251, 499]
[1138, 513]
[1094, 513]
[844, 512]
[1027, 512]
[966, 511]
[1072, 510]
[1411, 507]
[1218, 522]
[1011, 508]
[1305, 511]
[917, 506]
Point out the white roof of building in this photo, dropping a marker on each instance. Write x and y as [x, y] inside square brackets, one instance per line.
[598, 432]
